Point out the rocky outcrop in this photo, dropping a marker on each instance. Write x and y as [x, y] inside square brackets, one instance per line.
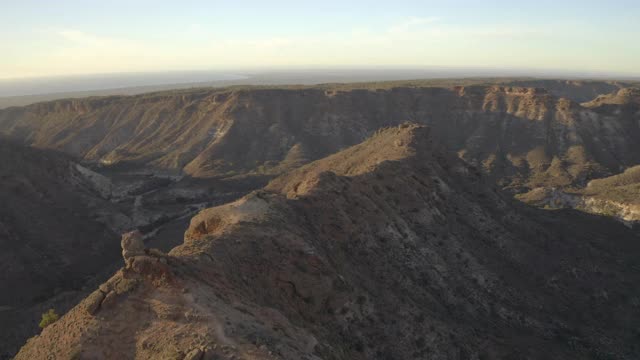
[132, 245]
[616, 196]
[390, 249]
[628, 96]
[576, 90]
[628, 213]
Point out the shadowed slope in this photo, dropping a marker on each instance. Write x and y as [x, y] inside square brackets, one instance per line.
[51, 239]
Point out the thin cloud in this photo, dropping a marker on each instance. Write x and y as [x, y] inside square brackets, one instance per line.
[412, 22]
[92, 41]
[417, 41]
[78, 36]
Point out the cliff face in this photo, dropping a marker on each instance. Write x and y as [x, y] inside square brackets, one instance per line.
[390, 249]
[523, 137]
[576, 90]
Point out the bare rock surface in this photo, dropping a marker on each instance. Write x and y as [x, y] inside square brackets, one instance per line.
[132, 244]
[616, 196]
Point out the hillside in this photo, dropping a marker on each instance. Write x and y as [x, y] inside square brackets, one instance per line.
[630, 176]
[51, 235]
[521, 137]
[623, 104]
[60, 223]
[616, 195]
[390, 249]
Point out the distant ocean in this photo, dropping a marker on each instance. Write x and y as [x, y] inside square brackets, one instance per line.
[80, 83]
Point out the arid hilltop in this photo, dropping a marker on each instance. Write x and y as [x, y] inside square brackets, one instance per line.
[391, 249]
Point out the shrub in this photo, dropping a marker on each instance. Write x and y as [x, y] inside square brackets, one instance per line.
[48, 318]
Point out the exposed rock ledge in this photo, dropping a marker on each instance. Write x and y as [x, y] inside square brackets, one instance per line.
[554, 198]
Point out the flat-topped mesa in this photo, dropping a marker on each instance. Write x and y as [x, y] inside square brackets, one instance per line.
[576, 90]
[532, 103]
[496, 89]
[519, 90]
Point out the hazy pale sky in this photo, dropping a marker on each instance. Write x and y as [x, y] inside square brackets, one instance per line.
[64, 37]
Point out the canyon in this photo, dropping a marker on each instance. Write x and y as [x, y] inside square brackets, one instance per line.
[330, 221]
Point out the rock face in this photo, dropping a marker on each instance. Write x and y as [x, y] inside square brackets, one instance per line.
[575, 90]
[522, 137]
[390, 249]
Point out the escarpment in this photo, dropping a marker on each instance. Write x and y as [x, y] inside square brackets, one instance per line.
[521, 137]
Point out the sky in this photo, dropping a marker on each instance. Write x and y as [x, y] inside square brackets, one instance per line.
[66, 37]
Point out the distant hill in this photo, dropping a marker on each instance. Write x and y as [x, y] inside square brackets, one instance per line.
[575, 90]
[522, 137]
